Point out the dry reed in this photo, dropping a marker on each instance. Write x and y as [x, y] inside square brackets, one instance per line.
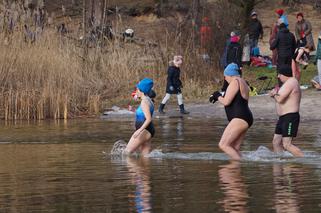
[51, 78]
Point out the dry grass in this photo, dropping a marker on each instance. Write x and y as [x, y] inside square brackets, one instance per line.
[51, 78]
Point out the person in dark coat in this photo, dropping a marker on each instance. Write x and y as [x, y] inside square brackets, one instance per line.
[255, 31]
[174, 85]
[234, 54]
[234, 50]
[285, 44]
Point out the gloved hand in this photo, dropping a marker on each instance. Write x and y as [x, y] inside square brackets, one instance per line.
[214, 97]
[171, 88]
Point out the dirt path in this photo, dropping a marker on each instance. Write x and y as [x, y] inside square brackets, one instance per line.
[262, 107]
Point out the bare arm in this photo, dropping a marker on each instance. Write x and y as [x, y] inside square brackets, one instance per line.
[230, 93]
[298, 58]
[284, 92]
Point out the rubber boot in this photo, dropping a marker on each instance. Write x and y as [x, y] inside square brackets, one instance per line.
[182, 109]
[161, 108]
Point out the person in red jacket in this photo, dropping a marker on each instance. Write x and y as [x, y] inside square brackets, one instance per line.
[205, 35]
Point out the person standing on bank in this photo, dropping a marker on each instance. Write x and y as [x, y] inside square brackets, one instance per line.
[287, 99]
[174, 85]
[303, 32]
[255, 31]
[234, 54]
[141, 139]
[317, 60]
[274, 31]
[285, 44]
[237, 111]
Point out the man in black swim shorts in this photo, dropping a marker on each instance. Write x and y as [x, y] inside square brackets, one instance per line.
[287, 99]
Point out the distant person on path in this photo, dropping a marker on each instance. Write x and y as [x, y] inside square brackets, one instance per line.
[318, 60]
[274, 32]
[303, 32]
[285, 45]
[234, 50]
[234, 54]
[287, 100]
[141, 139]
[237, 111]
[206, 36]
[174, 85]
[255, 31]
[300, 57]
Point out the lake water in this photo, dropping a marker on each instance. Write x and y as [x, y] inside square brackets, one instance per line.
[61, 167]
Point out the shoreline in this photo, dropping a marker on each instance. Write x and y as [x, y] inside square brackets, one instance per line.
[262, 107]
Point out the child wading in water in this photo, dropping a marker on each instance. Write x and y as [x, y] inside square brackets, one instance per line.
[141, 139]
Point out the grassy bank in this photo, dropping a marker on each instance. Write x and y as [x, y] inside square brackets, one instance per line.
[253, 73]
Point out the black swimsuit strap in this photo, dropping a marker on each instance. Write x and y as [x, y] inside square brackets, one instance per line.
[240, 89]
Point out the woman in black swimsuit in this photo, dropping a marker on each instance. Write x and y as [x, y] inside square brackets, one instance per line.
[237, 111]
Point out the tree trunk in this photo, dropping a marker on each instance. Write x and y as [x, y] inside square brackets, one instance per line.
[85, 21]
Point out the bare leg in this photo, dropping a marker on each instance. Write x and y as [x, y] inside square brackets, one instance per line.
[232, 132]
[146, 147]
[135, 143]
[277, 143]
[237, 144]
[287, 144]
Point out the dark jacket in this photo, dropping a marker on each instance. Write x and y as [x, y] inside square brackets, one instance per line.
[318, 53]
[234, 54]
[173, 75]
[284, 43]
[255, 29]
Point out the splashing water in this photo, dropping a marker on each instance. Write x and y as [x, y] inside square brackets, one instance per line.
[262, 154]
[118, 148]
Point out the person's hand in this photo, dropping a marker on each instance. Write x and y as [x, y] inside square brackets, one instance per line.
[171, 88]
[273, 92]
[214, 97]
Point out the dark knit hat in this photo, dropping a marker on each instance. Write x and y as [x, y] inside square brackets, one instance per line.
[299, 14]
[285, 70]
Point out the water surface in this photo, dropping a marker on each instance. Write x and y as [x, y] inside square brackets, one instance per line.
[60, 167]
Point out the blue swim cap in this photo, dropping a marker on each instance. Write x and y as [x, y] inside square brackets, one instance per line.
[145, 85]
[231, 70]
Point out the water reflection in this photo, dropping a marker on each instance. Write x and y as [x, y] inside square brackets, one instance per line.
[234, 189]
[139, 171]
[286, 197]
[173, 130]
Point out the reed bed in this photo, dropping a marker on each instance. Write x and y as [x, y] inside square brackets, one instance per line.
[54, 78]
[51, 79]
